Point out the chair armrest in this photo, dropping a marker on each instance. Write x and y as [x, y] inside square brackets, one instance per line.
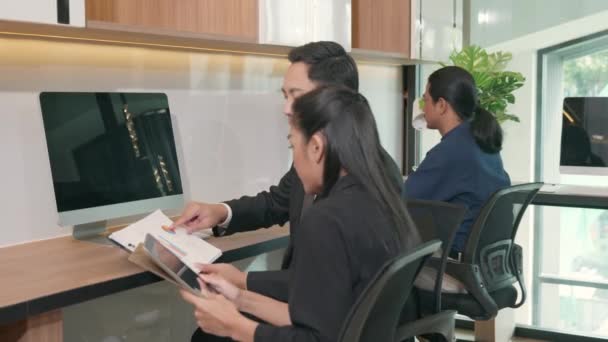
[440, 323]
[439, 264]
[470, 276]
[517, 267]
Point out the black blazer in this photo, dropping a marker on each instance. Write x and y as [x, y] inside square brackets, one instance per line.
[340, 244]
[282, 203]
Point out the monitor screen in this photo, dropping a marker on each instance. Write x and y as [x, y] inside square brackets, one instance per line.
[584, 143]
[111, 154]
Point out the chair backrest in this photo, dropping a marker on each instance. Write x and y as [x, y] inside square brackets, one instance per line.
[437, 220]
[490, 241]
[375, 314]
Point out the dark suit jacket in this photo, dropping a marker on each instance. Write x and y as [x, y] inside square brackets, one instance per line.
[282, 203]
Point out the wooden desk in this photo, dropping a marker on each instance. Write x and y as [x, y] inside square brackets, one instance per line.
[39, 278]
[573, 196]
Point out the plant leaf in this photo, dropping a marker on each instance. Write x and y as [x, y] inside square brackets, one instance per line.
[495, 84]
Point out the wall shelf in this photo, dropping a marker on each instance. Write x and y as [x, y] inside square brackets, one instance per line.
[114, 34]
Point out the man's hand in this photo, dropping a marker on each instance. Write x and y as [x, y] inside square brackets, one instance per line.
[226, 271]
[198, 215]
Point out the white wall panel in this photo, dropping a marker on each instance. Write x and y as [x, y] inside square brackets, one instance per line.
[298, 22]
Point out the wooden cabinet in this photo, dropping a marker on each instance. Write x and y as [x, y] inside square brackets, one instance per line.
[66, 12]
[391, 31]
[382, 25]
[271, 22]
[229, 19]
[421, 30]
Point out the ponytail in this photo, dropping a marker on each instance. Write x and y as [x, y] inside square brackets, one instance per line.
[457, 87]
[487, 131]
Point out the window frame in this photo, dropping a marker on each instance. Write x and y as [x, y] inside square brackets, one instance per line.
[549, 84]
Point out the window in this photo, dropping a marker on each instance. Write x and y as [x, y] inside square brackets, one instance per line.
[571, 247]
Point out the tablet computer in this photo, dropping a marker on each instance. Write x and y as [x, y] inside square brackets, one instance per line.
[166, 259]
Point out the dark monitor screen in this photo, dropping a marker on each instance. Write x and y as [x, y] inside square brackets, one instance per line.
[584, 140]
[109, 149]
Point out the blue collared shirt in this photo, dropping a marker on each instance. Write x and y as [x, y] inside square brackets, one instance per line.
[457, 171]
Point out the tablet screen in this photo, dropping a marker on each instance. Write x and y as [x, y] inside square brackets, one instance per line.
[172, 263]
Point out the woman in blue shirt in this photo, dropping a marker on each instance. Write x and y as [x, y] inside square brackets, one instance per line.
[465, 167]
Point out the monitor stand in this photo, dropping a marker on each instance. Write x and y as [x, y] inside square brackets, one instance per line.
[95, 232]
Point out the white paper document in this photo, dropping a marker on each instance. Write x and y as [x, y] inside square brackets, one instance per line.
[191, 249]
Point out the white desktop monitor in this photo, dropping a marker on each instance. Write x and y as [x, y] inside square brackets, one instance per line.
[111, 154]
[584, 141]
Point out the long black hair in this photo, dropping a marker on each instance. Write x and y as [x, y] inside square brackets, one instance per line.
[347, 123]
[457, 87]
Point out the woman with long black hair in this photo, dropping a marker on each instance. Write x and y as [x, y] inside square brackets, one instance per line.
[465, 167]
[356, 224]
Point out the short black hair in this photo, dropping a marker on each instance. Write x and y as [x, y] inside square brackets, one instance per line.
[328, 63]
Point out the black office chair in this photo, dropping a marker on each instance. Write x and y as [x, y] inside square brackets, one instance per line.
[436, 220]
[491, 262]
[375, 315]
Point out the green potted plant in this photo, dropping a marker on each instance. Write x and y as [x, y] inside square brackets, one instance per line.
[494, 83]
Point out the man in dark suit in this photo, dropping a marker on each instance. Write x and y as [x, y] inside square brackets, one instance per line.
[312, 65]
